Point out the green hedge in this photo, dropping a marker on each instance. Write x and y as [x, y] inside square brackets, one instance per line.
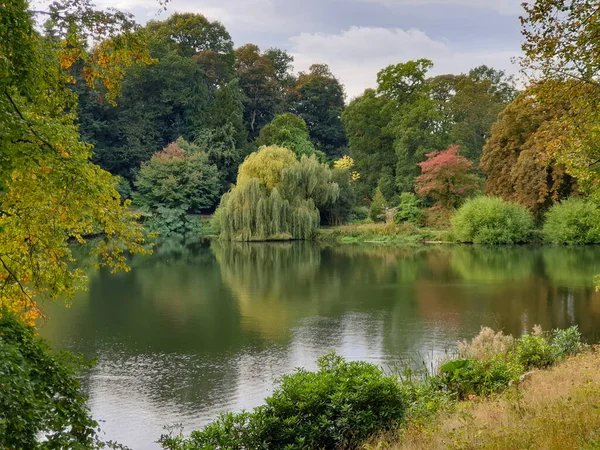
[491, 220]
[573, 222]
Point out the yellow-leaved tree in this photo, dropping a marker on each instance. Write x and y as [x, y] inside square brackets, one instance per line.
[51, 195]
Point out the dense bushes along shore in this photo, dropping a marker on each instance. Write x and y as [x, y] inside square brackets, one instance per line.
[339, 406]
[344, 403]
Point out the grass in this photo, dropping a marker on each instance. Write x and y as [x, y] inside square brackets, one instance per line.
[557, 408]
[404, 234]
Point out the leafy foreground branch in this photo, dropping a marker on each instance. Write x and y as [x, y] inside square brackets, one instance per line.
[345, 403]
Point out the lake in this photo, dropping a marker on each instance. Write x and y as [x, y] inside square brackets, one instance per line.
[196, 330]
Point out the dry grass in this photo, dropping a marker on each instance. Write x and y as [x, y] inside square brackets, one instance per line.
[554, 409]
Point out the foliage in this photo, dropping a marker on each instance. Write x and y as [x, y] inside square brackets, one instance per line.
[516, 161]
[573, 222]
[342, 209]
[289, 131]
[337, 407]
[172, 221]
[466, 377]
[409, 209]
[534, 350]
[42, 405]
[486, 345]
[378, 205]
[276, 197]
[491, 220]
[51, 193]
[266, 165]
[446, 177]
[318, 98]
[561, 47]
[179, 177]
[365, 120]
[566, 342]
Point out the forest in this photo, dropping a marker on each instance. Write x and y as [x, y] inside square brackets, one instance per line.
[114, 133]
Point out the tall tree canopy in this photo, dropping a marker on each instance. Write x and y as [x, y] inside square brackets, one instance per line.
[290, 131]
[50, 192]
[319, 100]
[517, 160]
[562, 47]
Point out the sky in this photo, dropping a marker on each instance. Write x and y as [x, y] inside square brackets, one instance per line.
[357, 38]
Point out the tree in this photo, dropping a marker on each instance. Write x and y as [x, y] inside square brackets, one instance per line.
[276, 197]
[289, 131]
[516, 159]
[194, 36]
[51, 195]
[447, 178]
[258, 81]
[158, 104]
[561, 49]
[41, 393]
[178, 177]
[365, 120]
[378, 205]
[319, 100]
[225, 139]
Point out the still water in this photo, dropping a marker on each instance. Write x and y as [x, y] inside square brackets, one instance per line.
[196, 330]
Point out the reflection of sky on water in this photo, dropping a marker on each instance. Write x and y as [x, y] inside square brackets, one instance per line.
[182, 339]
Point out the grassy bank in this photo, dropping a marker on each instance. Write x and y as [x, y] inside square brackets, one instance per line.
[555, 408]
[404, 234]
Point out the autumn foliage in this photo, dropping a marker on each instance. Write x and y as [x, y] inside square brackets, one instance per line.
[447, 178]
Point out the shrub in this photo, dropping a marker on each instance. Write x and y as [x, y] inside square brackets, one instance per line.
[464, 377]
[360, 213]
[491, 220]
[534, 350]
[172, 221]
[42, 405]
[566, 342]
[573, 222]
[178, 177]
[486, 345]
[409, 209]
[378, 205]
[337, 407]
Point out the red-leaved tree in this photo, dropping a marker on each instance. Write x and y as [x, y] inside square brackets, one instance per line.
[447, 178]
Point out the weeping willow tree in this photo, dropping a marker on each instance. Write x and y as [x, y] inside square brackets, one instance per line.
[276, 197]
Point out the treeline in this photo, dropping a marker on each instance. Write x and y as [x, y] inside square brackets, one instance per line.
[415, 144]
[183, 125]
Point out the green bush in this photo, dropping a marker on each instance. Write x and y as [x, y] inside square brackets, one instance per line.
[409, 209]
[173, 222]
[566, 342]
[491, 220]
[464, 377]
[360, 214]
[378, 205]
[42, 405]
[573, 222]
[337, 407]
[534, 351]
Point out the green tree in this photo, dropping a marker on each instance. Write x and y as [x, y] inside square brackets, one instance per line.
[378, 205]
[258, 81]
[41, 393]
[290, 131]
[178, 177]
[319, 100]
[365, 120]
[51, 195]
[276, 197]
[192, 35]
[225, 139]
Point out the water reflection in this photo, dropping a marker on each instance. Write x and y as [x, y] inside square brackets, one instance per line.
[199, 329]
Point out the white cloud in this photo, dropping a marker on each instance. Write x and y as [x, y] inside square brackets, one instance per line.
[358, 53]
[505, 7]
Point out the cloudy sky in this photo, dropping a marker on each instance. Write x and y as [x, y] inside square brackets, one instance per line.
[359, 37]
